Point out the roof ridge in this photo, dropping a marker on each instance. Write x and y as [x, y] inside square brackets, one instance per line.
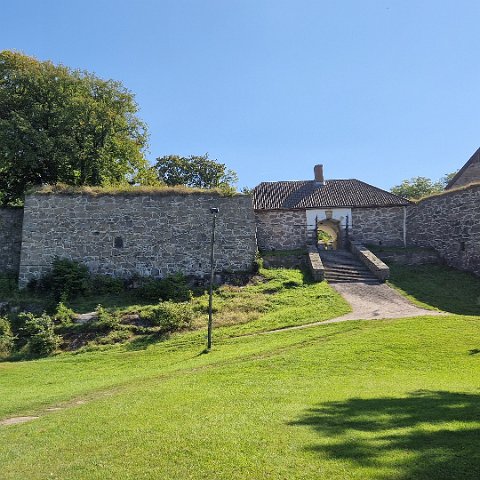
[335, 193]
[314, 181]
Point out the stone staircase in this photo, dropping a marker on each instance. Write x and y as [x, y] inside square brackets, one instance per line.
[342, 267]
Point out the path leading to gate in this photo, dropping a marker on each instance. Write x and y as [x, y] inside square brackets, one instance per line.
[369, 302]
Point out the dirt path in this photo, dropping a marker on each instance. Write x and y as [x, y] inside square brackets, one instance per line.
[369, 302]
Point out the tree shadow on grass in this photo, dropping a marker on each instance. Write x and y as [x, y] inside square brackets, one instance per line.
[427, 435]
[145, 341]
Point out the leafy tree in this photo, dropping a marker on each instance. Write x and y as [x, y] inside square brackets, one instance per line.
[194, 171]
[445, 180]
[64, 125]
[418, 187]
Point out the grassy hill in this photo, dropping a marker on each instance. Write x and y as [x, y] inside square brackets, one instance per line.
[388, 399]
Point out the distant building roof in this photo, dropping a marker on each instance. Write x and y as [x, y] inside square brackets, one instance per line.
[469, 173]
[330, 194]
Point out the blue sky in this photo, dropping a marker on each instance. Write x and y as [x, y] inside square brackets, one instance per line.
[375, 90]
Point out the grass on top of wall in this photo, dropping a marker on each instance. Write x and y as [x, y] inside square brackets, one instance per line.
[63, 189]
[450, 191]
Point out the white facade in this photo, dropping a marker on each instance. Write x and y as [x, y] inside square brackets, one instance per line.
[340, 214]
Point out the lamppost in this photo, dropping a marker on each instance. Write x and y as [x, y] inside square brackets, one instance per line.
[214, 211]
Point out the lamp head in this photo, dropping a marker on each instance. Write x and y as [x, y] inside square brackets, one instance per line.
[213, 210]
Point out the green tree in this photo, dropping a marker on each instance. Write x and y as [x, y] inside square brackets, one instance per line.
[418, 187]
[194, 171]
[445, 180]
[59, 125]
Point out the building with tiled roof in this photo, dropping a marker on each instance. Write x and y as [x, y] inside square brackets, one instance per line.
[290, 213]
[330, 194]
[469, 173]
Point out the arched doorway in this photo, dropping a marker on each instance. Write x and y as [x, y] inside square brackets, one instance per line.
[329, 234]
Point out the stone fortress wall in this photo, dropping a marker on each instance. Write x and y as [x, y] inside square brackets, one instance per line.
[145, 234]
[449, 223]
[281, 229]
[10, 238]
[379, 226]
[156, 235]
[287, 229]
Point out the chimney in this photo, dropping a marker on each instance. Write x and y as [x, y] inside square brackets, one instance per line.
[318, 170]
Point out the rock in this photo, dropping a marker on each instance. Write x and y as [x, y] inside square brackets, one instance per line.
[85, 317]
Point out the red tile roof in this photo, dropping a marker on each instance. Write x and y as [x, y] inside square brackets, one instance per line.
[333, 194]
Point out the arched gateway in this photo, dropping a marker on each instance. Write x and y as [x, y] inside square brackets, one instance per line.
[329, 234]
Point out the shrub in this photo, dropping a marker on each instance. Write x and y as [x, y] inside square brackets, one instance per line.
[6, 338]
[105, 321]
[169, 316]
[173, 287]
[67, 278]
[8, 283]
[115, 336]
[41, 337]
[64, 315]
[104, 285]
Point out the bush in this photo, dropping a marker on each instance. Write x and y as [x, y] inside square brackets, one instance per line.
[8, 283]
[169, 316]
[173, 287]
[115, 336]
[104, 285]
[68, 278]
[106, 321]
[41, 337]
[6, 338]
[64, 315]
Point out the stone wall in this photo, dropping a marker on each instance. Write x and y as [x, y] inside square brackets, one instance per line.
[10, 238]
[449, 223]
[281, 229]
[370, 260]
[146, 234]
[378, 226]
[297, 259]
[409, 256]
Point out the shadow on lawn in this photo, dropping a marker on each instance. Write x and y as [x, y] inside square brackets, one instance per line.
[439, 286]
[427, 435]
[145, 341]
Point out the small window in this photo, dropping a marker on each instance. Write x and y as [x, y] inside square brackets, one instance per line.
[118, 242]
[462, 246]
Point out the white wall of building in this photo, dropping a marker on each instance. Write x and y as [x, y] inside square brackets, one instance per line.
[340, 214]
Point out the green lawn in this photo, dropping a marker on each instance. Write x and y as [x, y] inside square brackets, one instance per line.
[438, 287]
[393, 399]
